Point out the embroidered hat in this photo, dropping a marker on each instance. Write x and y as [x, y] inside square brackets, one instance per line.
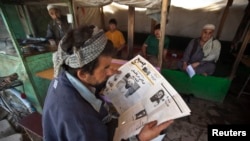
[209, 26]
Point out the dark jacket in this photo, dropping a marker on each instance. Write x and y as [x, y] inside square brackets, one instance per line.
[56, 32]
[67, 116]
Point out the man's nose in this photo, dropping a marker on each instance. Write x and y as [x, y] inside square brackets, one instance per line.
[109, 72]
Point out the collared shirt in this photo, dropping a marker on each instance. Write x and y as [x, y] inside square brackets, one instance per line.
[85, 92]
[90, 97]
[153, 44]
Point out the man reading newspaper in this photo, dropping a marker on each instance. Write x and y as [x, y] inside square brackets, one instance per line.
[71, 110]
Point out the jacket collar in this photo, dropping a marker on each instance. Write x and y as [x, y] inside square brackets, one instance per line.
[85, 92]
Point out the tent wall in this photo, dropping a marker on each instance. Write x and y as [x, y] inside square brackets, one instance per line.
[84, 16]
[182, 22]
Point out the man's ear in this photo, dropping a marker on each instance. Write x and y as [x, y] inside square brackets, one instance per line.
[81, 75]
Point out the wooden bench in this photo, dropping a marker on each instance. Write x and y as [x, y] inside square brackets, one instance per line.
[204, 87]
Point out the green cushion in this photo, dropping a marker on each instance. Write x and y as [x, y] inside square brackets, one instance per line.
[205, 87]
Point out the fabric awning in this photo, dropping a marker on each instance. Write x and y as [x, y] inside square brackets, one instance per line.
[153, 4]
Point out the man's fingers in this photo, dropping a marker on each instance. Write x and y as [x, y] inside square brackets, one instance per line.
[118, 72]
[114, 71]
[165, 124]
[152, 124]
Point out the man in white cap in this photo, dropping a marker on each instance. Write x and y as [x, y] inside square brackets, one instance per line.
[202, 53]
[58, 26]
[72, 110]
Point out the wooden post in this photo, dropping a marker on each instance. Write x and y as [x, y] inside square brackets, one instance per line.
[131, 28]
[74, 10]
[102, 18]
[223, 18]
[163, 29]
[239, 56]
[241, 28]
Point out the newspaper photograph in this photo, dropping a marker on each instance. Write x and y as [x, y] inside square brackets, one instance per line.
[140, 94]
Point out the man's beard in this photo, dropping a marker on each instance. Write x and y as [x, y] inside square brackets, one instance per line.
[99, 87]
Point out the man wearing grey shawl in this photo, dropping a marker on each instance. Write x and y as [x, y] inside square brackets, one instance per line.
[202, 53]
[72, 109]
[58, 26]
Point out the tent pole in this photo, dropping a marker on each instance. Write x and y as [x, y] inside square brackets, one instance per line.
[74, 8]
[131, 29]
[241, 28]
[163, 29]
[223, 18]
[102, 17]
[239, 56]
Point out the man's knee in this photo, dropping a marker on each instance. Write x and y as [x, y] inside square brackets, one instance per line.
[210, 68]
[207, 68]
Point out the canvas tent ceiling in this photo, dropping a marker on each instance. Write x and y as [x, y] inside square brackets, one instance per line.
[156, 4]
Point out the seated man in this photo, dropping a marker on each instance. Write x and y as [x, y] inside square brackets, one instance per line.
[202, 53]
[116, 37]
[150, 48]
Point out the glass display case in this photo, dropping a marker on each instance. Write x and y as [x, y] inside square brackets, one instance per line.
[23, 47]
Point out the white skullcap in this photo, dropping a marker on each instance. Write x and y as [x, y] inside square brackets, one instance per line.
[209, 26]
[51, 6]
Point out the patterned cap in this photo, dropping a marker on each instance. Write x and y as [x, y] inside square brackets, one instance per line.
[89, 51]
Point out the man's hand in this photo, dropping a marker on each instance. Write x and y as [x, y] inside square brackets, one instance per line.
[196, 64]
[184, 66]
[152, 130]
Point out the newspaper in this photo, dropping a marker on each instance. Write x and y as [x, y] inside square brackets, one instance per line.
[190, 71]
[140, 94]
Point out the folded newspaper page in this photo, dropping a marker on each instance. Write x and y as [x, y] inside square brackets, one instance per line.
[141, 94]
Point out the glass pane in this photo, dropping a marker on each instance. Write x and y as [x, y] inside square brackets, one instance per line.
[6, 45]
